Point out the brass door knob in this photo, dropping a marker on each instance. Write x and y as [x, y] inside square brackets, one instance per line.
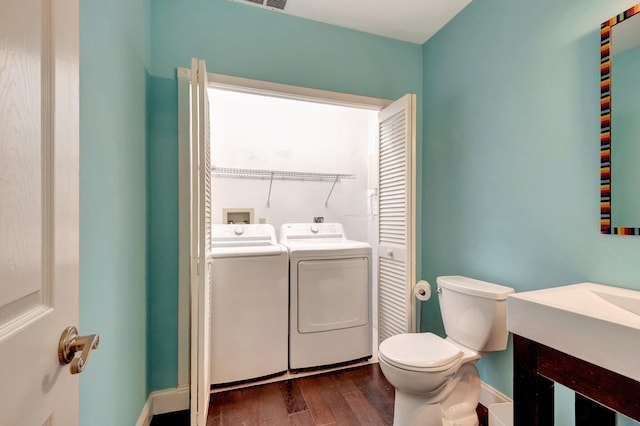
[71, 343]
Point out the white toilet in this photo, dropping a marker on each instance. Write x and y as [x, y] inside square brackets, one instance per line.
[436, 380]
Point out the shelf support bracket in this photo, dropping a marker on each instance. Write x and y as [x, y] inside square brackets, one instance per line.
[326, 203]
[269, 196]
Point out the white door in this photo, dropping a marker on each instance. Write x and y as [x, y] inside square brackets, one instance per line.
[396, 223]
[38, 209]
[200, 231]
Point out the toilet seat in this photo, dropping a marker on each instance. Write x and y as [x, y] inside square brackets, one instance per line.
[424, 352]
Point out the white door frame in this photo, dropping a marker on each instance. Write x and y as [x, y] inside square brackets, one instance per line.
[242, 85]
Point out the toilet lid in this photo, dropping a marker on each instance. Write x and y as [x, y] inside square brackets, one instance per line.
[419, 351]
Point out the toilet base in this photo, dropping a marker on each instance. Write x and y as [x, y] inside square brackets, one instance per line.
[412, 410]
[455, 405]
[467, 421]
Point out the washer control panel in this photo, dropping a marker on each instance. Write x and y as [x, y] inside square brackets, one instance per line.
[243, 233]
[302, 231]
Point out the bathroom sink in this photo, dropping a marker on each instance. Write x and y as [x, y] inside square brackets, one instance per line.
[596, 323]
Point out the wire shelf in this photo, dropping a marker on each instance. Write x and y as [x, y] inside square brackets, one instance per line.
[278, 174]
[281, 175]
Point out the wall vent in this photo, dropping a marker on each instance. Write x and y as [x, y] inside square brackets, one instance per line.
[277, 4]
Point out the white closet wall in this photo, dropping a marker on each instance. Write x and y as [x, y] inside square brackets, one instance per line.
[259, 132]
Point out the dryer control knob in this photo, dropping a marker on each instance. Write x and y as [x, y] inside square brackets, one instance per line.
[315, 229]
[239, 230]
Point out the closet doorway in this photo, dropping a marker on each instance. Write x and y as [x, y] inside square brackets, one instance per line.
[383, 196]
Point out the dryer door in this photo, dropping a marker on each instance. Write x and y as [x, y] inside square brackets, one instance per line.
[333, 294]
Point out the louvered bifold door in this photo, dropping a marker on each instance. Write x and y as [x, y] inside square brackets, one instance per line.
[204, 169]
[396, 241]
[200, 168]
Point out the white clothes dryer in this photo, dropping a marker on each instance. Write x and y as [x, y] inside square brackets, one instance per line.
[329, 295]
[249, 303]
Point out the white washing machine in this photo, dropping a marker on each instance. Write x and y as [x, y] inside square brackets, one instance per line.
[330, 295]
[249, 303]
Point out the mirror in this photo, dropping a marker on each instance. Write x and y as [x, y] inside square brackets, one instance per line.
[620, 124]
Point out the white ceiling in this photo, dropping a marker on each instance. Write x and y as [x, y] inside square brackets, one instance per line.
[414, 21]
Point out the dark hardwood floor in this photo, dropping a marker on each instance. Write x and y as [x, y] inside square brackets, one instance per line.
[356, 396]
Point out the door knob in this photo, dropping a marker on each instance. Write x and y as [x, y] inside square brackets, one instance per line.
[71, 343]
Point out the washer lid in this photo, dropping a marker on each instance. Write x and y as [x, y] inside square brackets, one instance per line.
[419, 351]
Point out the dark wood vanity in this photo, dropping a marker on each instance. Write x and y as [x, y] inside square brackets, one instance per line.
[599, 392]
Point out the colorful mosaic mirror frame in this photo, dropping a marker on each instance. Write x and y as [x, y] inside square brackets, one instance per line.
[605, 125]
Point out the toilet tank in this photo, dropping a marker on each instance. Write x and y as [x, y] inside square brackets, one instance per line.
[474, 312]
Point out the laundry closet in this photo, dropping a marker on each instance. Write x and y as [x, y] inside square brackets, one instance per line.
[303, 168]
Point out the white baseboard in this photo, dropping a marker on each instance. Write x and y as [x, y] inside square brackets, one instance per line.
[170, 400]
[164, 401]
[490, 395]
[146, 415]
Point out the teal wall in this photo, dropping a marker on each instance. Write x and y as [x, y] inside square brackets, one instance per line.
[114, 58]
[508, 144]
[511, 154]
[244, 41]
